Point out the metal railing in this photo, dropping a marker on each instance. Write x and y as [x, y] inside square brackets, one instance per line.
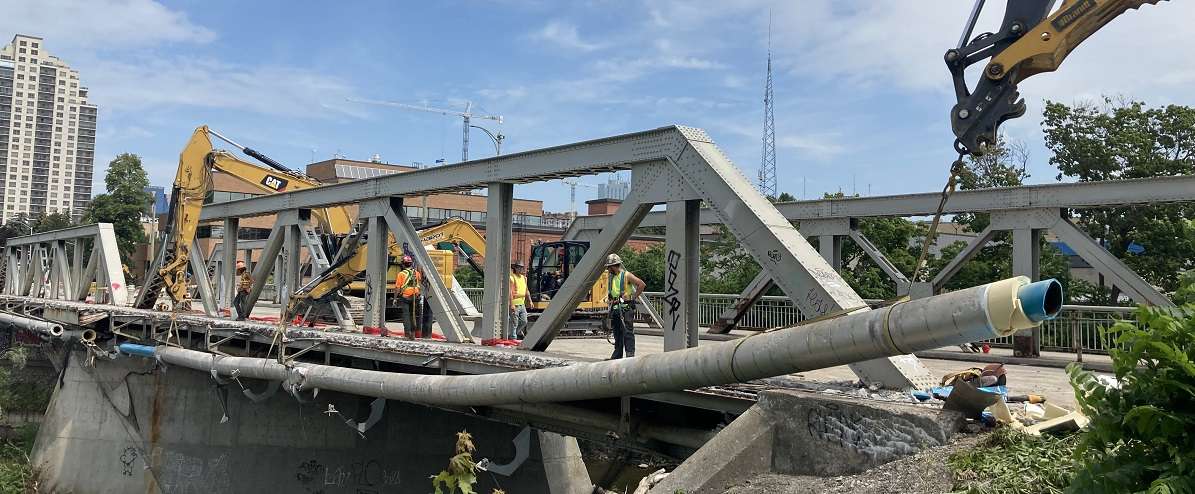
[1075, 330]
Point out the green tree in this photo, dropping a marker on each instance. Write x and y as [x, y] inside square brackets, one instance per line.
[1121, 139]
[52, 221]
[647, 264]
[898, 239]
[124, 203]
[725, 266]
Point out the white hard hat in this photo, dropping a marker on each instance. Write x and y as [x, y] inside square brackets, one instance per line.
[613, 260]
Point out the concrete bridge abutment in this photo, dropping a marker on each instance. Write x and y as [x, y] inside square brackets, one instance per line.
[126, 426]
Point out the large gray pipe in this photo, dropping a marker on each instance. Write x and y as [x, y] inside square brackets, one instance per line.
[988, 311]
[38, 325]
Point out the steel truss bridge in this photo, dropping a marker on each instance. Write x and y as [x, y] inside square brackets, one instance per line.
[49, 275]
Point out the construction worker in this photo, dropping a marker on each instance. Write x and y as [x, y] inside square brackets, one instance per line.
[244, 282]
[520, 298]
[622, 305]
[406, 286]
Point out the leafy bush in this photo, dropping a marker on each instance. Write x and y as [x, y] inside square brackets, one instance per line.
[1010, 461]
[1141, 434]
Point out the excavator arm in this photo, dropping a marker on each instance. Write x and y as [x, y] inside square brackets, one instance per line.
[352, 261]
[193, 182]
[1031, 40]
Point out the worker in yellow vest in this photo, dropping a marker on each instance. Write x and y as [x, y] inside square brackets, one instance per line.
[520, 298]
[622, 305]
[407, 284]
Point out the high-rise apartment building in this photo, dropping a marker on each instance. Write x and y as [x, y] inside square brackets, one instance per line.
[47, 133]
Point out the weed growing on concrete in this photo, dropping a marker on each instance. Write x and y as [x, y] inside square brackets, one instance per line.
[462, 470]
[1010, 461]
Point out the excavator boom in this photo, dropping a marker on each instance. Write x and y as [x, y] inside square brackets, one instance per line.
[192, 183]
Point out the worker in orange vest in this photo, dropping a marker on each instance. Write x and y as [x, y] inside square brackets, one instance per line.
[406, 286]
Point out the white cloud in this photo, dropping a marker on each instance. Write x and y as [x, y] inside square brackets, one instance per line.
[819, 146]
[100, 23]
[163, 82]
[564, 35]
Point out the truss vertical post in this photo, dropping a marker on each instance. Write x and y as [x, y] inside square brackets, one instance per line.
[291, 265]
[681, 275]
[109, 266]
[439, 297]
[495, 305]
[76, 266]
[375, 273]
[830, 247]
[1026, 256]
[13, 273]
[55, 270]
[228, 267]
[62, 269]
[562, 306]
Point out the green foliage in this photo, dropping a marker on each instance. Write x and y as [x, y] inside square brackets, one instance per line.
[16, 473]
[647, 264]
[468, 277]
[1186, 289]
[124, 203]
[462, 471]
[15, 395]
[1125, 139]
[1140, 433]
[1010, 461]
[900, 241]
[725, 266]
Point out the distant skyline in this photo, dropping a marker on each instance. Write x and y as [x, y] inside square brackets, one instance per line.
[861, 93]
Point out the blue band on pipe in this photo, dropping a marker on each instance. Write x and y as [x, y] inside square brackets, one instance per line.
[135, 349]
[1042, 300]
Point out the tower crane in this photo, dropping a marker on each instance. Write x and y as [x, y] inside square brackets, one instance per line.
[466, 116]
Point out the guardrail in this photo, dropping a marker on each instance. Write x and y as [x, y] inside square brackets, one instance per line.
[1075, 330]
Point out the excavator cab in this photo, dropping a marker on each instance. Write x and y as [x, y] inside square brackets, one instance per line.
[551, 264]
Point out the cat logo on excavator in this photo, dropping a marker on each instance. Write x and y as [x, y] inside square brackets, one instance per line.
[274, 182]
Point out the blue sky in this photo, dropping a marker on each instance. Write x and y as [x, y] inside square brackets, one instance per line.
[861, 91]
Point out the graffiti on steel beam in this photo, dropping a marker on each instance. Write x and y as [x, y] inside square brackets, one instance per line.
[671, 292]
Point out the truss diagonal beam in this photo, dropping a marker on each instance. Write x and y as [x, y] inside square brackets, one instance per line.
[1107, 264]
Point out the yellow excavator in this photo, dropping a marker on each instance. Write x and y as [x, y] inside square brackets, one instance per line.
[192, 183]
